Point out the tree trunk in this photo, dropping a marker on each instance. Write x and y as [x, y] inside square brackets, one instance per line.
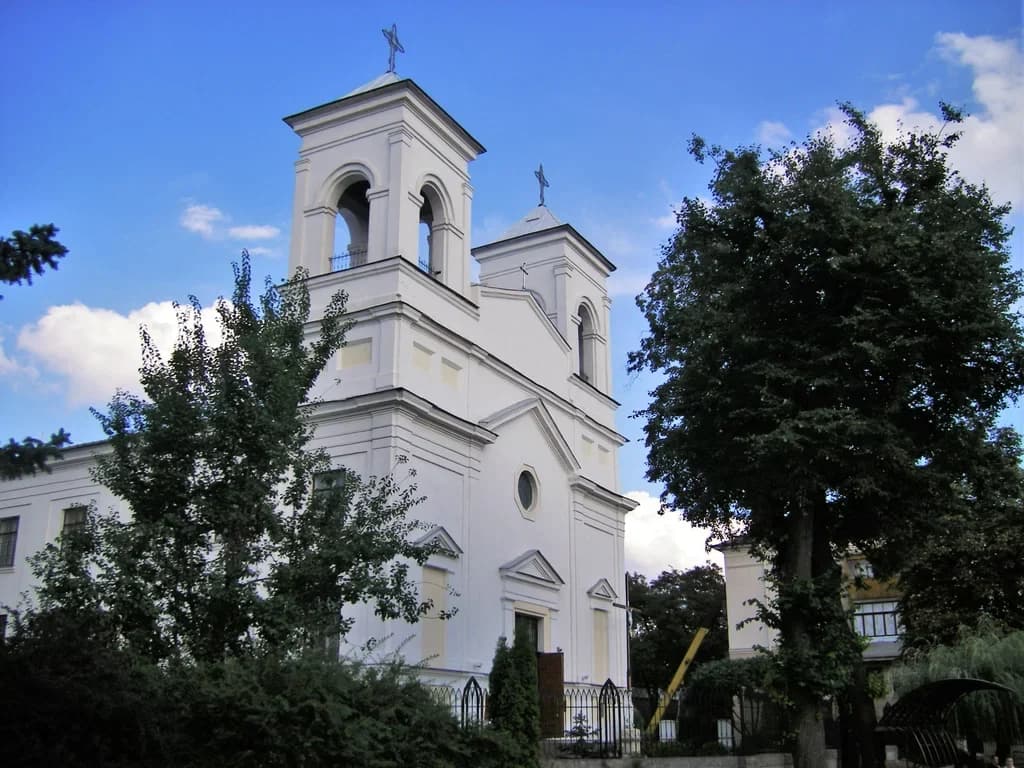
[863, 716]
[810, 736]
[797, 562]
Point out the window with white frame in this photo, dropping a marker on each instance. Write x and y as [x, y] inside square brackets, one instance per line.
[862, 569]
[74, 519]
[8, 541]
[334, 480]
[877, 621]
[531, 629]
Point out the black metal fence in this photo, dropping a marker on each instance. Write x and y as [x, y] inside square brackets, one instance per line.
[709, 722]
[583, 721]
[594, 721]
[468, 704]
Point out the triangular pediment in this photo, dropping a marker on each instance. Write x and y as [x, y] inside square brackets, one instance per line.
[602, 590]
[441, 541]
[533, 567]
[535, 408]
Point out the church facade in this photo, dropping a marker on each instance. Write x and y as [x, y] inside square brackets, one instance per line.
[497, 392]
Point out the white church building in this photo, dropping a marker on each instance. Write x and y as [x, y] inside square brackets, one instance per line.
[497, 391]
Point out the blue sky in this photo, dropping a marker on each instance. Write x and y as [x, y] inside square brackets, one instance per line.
[151, 134]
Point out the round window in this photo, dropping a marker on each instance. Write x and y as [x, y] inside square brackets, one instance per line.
[527, 490]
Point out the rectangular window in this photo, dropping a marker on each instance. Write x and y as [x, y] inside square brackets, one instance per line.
[8, 541]
[330, 481]
[863, 569]
[600, 646]
[528, 627]
[725, 734]
[74, 519]
[432, 626]
[877, 621]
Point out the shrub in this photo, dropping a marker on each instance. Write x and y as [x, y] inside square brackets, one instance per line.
[78, 701]
[514, 707]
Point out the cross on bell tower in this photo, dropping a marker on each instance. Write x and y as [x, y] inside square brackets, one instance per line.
[391, 35]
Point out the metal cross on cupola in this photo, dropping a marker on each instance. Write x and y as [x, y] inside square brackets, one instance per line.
[391, 35]
[542, 180]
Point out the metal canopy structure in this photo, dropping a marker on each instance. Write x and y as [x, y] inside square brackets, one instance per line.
[918, 719]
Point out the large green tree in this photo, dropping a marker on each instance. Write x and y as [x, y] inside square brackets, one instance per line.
[23, 255]
[242, 538]
[665, 614]
[834, 321]
[958, 567]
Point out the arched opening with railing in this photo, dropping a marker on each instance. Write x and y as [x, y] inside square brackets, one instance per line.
[430, 255]
[351, 226]
[585, 334]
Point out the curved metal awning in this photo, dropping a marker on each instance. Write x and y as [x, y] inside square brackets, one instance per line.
[929, 705]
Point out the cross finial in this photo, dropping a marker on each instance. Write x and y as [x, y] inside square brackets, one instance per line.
[542, 180]
[391, 35]
[525, 271]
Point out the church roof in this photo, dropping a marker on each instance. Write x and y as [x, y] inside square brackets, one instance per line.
[541, 220]
[385, 86]
[378, 82]
[537, 220]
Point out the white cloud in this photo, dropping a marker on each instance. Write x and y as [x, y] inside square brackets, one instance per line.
[629, 284]
[668, 221]
[212, 224]
[254, 232]
[201, 219]
[655, 543]
[991, 149]
[490, 229]
[259, 250]
[96, 350]
[14, 369]
[773, 134]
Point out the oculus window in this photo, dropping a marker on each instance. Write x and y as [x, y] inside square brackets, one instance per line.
[526, 491]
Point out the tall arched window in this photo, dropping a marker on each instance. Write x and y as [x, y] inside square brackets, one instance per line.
[351, 227]
[584, 344]
[430, 257]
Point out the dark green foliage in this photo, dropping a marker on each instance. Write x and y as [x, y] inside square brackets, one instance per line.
[271, 712]
[831, 327]
[745, 690]
[30, 455]
[732, 676]
[22, 255]
[665, 614]
[961, 566]
[229, 551]
[25, 254]
[513, 704]
[72, 699]
[194, 633]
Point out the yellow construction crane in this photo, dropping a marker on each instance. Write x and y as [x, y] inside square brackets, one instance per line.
[677, 679]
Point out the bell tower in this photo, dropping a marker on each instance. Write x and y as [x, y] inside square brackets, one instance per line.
[383, 173]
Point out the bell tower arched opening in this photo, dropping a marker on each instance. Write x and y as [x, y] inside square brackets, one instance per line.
[426, 238]
[431, 250]
[351, 226]
[585, 335]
